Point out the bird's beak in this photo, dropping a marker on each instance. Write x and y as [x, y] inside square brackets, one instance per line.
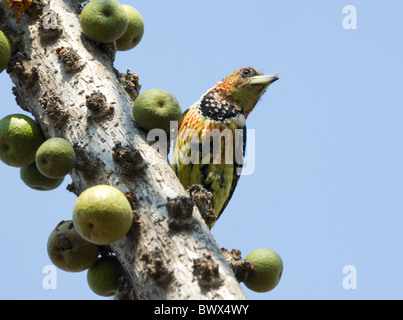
[264, 79]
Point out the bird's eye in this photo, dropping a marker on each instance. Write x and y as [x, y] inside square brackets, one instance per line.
[249, 72]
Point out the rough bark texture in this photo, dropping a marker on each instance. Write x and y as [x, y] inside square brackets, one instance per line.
[70, 86]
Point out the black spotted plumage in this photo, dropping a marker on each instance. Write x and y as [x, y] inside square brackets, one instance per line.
[217, 109]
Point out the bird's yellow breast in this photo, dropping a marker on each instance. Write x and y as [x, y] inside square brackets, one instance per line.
[204, 154]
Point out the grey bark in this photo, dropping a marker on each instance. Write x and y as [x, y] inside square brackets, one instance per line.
[70, 86]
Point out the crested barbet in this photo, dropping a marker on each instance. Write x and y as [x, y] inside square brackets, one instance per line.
[220, 114]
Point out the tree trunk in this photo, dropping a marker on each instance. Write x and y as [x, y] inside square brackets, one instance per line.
[70, 86]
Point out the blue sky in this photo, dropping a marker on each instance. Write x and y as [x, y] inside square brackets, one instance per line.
[327, 190]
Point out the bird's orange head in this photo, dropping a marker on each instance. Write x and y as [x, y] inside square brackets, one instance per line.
[244, 88]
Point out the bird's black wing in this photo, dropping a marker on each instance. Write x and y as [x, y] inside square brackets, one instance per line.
[237, 170]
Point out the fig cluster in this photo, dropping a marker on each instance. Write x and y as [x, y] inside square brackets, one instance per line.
[106, 21]
[70, 252]
[43, 163]
[101, 215]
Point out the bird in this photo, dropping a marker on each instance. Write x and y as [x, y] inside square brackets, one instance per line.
[212, 132]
